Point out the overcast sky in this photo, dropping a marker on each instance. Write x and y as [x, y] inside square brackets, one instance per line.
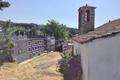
[63, 11]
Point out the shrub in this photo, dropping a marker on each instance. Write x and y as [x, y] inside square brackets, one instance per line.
[70, 67]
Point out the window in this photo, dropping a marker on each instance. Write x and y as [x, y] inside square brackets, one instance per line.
[29, 49]
[39, 46]
[18, 52]
[32, 42]
[35, 47]
[76, 51]
[29, 43]
[38, 42]
[32, 48]
[35, 42]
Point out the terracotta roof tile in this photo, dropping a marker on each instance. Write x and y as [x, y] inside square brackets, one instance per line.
[107, 29]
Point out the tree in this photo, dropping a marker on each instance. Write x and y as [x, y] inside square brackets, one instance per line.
[73, 31]
[6, 42]
[4, 4]
[58, 30]
[70, 64]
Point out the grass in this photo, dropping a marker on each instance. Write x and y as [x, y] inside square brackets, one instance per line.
[13, 71]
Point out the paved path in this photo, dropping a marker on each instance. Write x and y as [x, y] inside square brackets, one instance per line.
[26, 61]
[46, 65]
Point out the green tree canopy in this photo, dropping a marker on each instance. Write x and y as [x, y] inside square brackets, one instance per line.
[60, 31]
[6, 43]
[4, 4]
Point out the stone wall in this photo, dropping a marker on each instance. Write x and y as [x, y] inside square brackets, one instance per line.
[5, 57]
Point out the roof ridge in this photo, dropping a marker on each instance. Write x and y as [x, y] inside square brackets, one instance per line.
[110, 22]
[104, 30]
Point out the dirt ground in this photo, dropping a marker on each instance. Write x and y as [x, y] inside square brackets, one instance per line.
[41, 68]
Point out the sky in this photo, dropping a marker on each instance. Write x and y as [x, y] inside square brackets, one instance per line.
[63, 11]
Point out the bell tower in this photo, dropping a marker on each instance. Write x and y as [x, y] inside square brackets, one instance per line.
[86, 19]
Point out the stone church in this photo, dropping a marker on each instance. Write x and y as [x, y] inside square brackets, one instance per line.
[99, 47]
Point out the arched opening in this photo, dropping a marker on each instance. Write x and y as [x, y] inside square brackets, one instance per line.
[87, 15]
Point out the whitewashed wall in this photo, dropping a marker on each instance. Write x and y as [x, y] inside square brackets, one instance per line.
[101, 58]
[78, 49]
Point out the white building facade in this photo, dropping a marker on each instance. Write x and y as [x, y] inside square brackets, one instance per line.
[100, 52]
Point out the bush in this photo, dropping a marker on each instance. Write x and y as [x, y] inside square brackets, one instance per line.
[70, 67]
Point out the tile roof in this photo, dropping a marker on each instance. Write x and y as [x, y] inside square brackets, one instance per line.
[105, 30]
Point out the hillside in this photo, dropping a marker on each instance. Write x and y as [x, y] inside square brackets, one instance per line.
[42, 68]
[25, 25]
[72, 31]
